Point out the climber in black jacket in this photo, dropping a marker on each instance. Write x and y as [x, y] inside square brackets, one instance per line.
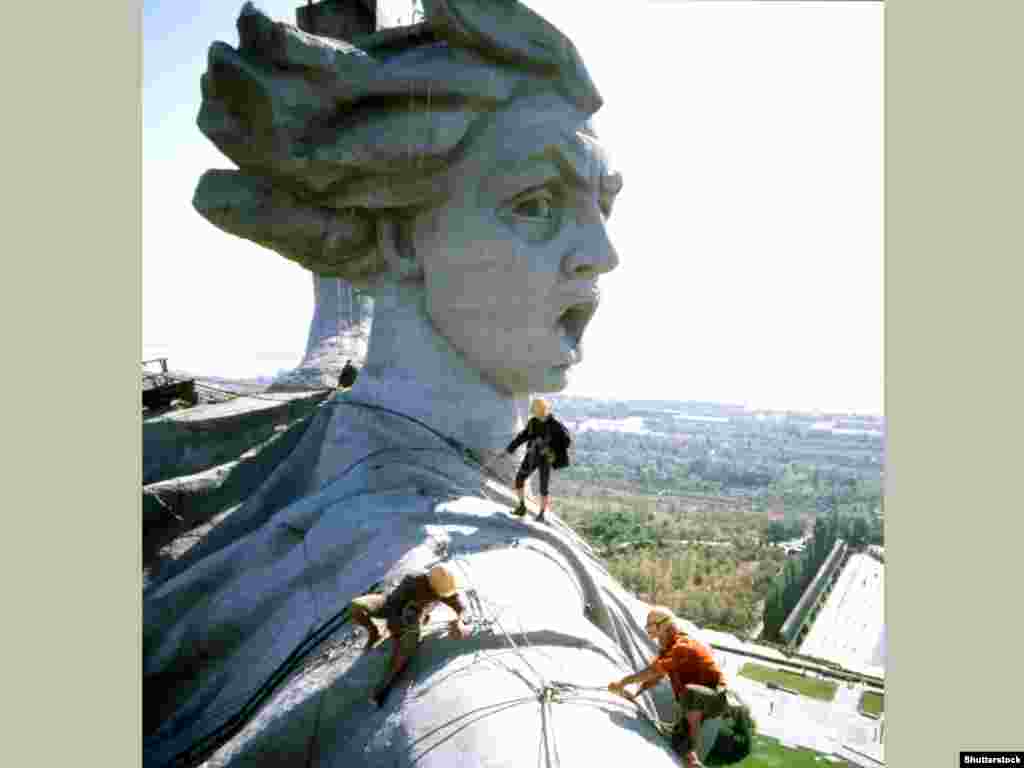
[348, 375]
[547, 447]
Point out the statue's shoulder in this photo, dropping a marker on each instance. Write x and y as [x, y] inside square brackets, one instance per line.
[366, 448]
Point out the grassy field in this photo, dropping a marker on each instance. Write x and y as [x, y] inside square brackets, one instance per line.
[768, 753]
[806, 686]
[648, 545]
[872, 703]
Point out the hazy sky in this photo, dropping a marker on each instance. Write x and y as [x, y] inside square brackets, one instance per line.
[749, 228]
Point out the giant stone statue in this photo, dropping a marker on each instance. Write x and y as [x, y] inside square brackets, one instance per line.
[448, 167]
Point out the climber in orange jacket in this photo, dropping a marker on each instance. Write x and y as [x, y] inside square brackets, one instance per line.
[697, 681]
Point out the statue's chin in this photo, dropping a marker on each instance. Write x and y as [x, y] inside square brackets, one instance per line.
[525, 382]
[555, 379]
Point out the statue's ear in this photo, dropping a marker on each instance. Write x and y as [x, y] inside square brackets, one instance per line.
[395, 243]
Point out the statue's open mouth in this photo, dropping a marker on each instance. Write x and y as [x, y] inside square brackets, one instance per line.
[574, 320]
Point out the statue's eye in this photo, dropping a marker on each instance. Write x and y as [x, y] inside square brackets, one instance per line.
[537, 204]
[536, 214]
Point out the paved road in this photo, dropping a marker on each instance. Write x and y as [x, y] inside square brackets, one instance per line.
[850, 629]
[834, 727]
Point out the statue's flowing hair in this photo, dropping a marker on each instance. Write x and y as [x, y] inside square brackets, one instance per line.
[329, 136]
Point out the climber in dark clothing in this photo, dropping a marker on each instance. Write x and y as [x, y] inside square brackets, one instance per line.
[547, 447]
[405, 610]
[348, 375]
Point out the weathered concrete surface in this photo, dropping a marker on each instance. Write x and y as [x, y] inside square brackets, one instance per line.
[257, 598]
[338, 332]
[342, 313]
[340, 328]
[178, 512]
[190, 441]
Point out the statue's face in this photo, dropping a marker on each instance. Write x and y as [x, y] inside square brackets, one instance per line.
[511, 262]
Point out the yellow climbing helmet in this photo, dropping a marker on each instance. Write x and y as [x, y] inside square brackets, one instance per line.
[658, 615]
[442, 581]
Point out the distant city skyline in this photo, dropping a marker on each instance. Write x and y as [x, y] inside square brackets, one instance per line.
[749, 228]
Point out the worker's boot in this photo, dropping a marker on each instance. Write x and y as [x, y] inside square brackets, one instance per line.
[520, 510]
[361, 618]
[545, 505]
[380, 694]
[372, 639]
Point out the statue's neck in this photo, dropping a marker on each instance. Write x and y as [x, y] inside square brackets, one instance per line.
[412, 369]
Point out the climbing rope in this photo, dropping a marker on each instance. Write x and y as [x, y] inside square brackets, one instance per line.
[467, 453]
[208, 744]
[546, 692]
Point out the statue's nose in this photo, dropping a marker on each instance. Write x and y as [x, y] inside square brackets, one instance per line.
[592, 253]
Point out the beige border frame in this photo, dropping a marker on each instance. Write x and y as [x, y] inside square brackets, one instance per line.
[71, 308]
